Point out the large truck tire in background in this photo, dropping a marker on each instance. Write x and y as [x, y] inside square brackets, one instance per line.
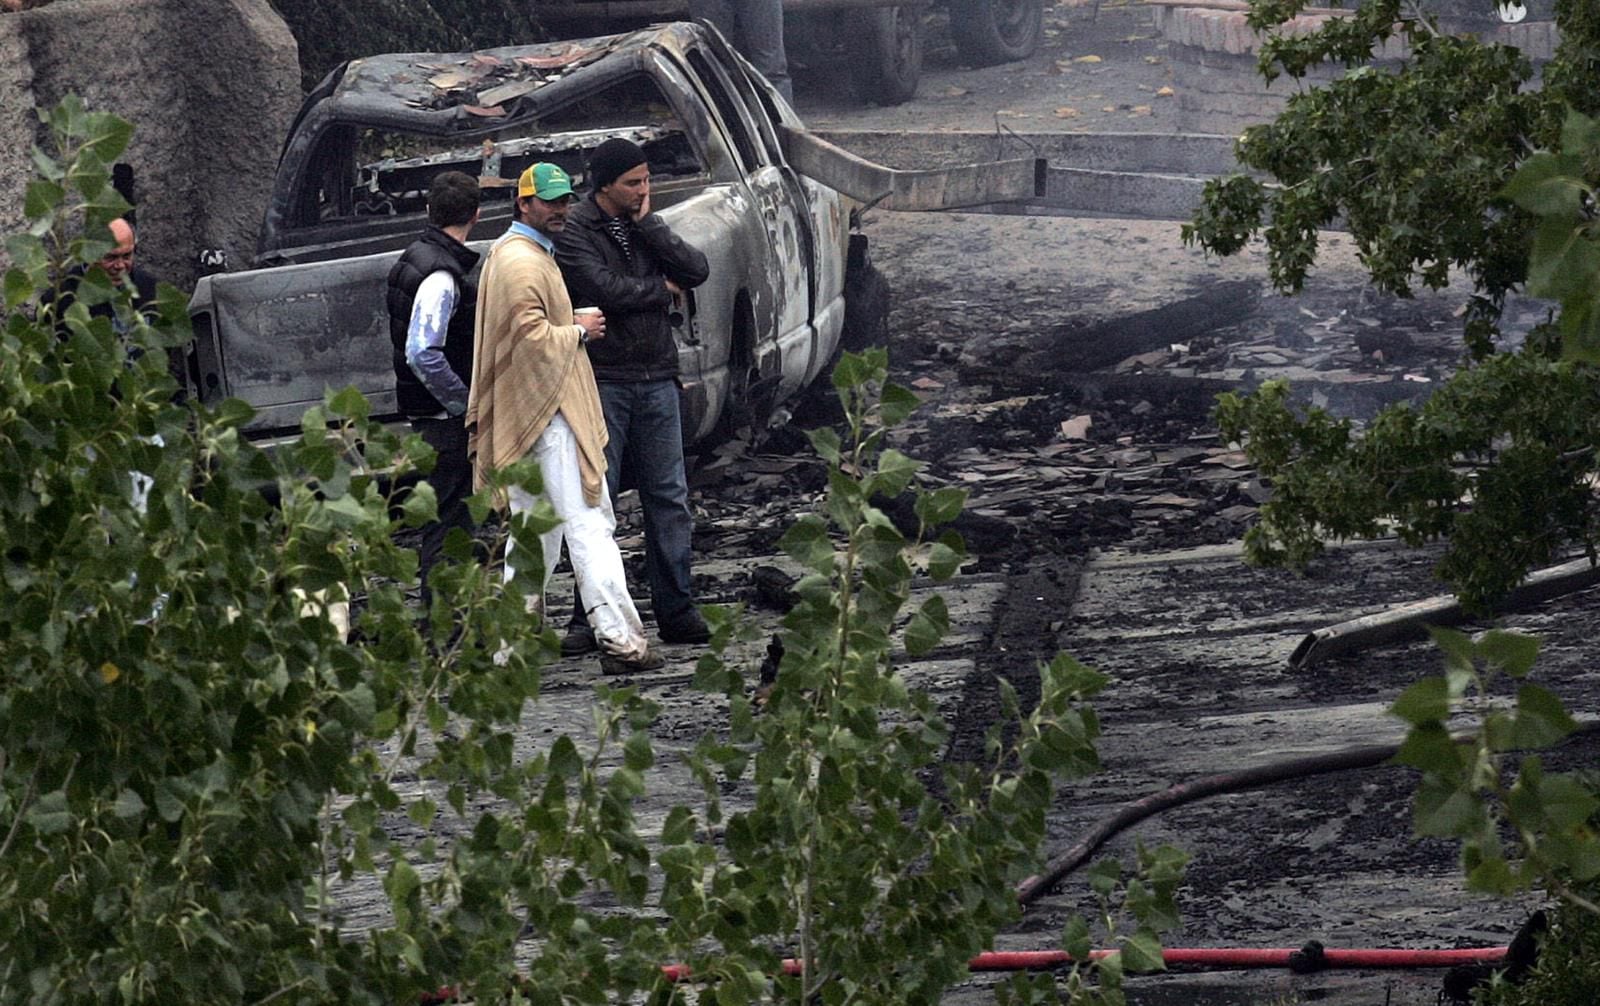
[877, 45]
[996, 31]
[889, 41]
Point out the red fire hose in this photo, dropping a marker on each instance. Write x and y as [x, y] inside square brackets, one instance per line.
[1312, 957]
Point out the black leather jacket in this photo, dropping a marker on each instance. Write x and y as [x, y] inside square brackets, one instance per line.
[638, 345]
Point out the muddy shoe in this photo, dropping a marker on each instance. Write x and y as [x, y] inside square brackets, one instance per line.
[650, 660]
[691, 628]
[578, 641]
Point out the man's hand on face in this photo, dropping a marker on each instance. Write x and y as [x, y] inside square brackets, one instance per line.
[644, 207]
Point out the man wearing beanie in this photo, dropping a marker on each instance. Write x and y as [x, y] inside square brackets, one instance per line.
[533, 395]
[618, 256]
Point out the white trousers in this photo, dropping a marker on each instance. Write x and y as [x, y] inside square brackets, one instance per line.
[589, 532]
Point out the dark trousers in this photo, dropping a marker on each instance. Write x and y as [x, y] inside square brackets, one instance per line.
[646, 453]
[452, 484]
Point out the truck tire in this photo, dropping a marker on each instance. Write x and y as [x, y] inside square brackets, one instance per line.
[887, 52]
[996, 31]
[866, 300]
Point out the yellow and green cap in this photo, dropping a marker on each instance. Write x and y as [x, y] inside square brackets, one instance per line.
[545, 180]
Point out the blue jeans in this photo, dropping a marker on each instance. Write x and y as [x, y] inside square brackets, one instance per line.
[646, 453]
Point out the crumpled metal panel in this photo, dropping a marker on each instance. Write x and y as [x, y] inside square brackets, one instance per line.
[1014, 180]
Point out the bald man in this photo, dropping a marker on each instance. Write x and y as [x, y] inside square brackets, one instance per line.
[118, 265]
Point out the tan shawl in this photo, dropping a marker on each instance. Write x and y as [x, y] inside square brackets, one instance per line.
[528, 364]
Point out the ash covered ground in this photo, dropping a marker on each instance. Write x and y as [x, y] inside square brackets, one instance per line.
[1068, 370]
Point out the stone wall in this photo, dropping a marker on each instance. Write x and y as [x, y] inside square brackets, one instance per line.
[1213, 54]
[211, 87]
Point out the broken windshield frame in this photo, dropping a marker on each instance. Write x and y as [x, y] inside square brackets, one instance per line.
[356, 181]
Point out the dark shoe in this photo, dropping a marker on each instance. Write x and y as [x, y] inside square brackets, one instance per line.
[578, 641]
[610, 663]
[691, 628]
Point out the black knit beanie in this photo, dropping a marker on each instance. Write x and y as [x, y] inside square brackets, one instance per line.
[611, 159]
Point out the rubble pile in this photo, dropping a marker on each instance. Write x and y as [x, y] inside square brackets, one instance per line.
[1124, 453]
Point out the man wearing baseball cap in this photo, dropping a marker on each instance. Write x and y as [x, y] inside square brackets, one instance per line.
[533, 393]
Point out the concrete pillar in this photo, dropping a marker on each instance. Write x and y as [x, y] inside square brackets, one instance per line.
[210, 86]
[18, 124]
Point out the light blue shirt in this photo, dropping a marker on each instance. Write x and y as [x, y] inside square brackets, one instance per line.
[435, 302]
[518, 227]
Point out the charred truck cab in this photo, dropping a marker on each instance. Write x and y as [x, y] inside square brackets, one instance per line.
[352, 183]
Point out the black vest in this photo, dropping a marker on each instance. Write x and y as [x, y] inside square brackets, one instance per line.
[434, 251]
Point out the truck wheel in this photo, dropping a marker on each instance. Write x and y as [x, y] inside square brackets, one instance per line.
[996, 31]
[888, 52]
[750, 398]
[866, 300]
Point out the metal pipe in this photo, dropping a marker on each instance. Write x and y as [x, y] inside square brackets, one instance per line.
[669, 10]
[1019, 178]
[1410, 621]
[1243, 6]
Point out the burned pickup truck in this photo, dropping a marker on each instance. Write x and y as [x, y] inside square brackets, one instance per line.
[732, 169]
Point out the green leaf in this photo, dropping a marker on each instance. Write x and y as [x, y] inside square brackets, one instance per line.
[129, 804]
[422, 812]
[826, 443]
[1579, 133]
[1075, 938]
[637, 754]
[895, 472]
[1446, 811]
[1566, 801]
[679, 827]
[1141, 953]
[852, 371]
[1514, 652]
[1430, 748]
[349, 402]
[1548, 185]
[944, 561]
[18, 289]
[1493, 876]
[940, 506]
[1541, 719]
[1109, 971]
[565, 761]
[927, 627]
[1104, 875]
[41, 198]
[1426, 701]
[807, 543]
[234, 412]
[107, 135]
[896, 404]
[421, 505]
[50, 815]
[1457, 646]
